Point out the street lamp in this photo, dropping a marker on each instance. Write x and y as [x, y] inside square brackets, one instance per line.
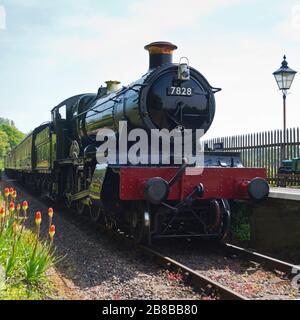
[284, 77]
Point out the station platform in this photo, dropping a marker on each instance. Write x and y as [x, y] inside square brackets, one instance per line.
[285, 193]
[275, 224]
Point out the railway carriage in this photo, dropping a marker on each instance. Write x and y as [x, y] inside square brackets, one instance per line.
[147, 201]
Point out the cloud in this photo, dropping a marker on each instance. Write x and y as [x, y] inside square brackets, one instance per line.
[84, 38]
[295, 21]
[79, 47]
[290, 28]
[169, 14]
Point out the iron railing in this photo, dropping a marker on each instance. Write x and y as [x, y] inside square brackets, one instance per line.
[265, 149]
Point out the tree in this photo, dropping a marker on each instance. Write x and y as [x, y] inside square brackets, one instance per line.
[4, 143]
[14, 135]
[7, 121]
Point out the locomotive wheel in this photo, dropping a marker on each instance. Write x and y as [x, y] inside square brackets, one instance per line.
[225, 218]
[109, 222]
[68, 202]
[80, 208]
[217, 209]
[45, 189]
[37, 185]
[68, 188]
[140, 225]
[95, 213]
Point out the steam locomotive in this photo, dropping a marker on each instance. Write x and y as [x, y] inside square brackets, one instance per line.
[147, 201]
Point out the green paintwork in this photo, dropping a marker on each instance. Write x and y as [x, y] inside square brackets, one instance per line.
[296, 165]
[292, 164]
[97, 181]
[53, 145]
[43, 149]
[20, 157]
[287, 163]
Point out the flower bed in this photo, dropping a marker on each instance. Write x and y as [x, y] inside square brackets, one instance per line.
[24, 257]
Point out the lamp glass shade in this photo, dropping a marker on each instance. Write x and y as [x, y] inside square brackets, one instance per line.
[284, 76]
[284, 79]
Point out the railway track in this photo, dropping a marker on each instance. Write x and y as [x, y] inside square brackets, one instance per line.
[266, 261]
[189, 276]
[192, 277]
[199, 281]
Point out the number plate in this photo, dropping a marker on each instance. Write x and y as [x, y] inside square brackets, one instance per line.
[180, 91]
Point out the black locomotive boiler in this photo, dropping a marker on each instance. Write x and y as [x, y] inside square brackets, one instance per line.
[59, 158]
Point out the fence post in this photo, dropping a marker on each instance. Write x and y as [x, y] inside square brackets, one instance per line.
[264, 149]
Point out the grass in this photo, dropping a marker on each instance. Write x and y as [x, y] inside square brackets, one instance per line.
[24, 258]
[19, 290]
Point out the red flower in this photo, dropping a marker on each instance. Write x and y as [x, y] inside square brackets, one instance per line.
[38, 218]
[11, 206]
[14, 194]
[174, 276]
[50, 212]
[52, 231]
[6, 192]
[19, 207]
[2, 213]
[25, 205]
[11, 190]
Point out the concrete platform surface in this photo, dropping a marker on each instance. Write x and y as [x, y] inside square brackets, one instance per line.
[285, 193]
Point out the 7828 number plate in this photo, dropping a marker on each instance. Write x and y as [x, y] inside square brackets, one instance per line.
[180, 91]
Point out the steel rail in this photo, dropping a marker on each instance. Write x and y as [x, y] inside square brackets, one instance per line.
[192, 277]
[264, 260]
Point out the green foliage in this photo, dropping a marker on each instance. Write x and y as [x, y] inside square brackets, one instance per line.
[24, 259]
[10, 136]
[6, 121]
[13, 134]
[41, 259]
[240, 225]
[4, 143]
[23, 291]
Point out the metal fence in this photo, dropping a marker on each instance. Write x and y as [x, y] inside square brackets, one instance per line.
[265, 149]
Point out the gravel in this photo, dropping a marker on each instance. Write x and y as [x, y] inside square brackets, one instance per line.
[245, 277]
[94, 267]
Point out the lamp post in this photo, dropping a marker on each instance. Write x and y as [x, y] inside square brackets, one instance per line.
[284, 77]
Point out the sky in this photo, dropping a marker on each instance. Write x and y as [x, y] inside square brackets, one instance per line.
[51, 50]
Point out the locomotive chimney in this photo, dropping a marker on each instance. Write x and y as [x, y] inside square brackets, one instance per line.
[160, 53]
[112, 86]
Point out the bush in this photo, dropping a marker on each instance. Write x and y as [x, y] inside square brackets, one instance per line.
[240, 224]
[24, 258]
